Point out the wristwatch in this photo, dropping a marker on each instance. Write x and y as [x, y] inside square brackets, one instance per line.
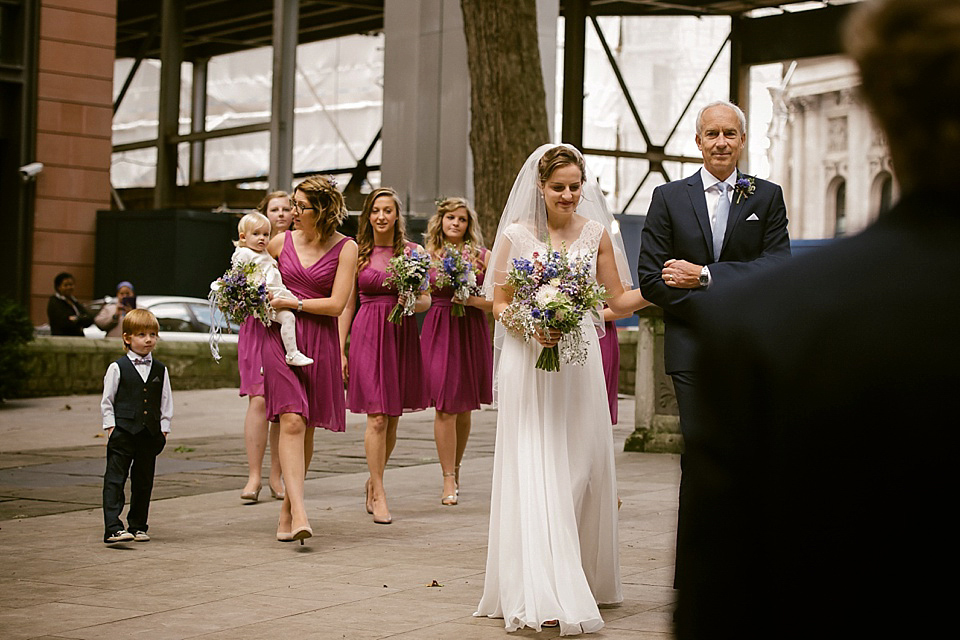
[704, 277]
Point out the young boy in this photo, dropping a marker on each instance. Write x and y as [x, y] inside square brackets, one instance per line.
[137, 407]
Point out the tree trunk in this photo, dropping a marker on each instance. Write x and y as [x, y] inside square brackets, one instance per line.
[508, 112]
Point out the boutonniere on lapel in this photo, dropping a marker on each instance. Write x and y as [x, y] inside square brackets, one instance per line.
[744, 187]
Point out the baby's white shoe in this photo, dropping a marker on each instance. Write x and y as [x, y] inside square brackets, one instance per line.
[297, 359]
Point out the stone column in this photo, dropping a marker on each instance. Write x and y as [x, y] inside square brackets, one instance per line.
[426, 99]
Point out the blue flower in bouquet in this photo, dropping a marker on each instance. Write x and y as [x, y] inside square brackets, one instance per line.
[454, 268]
[241, 292]
[554, 291]
[408, 274]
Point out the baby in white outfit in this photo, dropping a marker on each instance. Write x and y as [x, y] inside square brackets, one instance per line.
[254, 234]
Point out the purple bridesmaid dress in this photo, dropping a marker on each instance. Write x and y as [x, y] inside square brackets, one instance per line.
[610, 354]
[457, 355]
[386, 372]
[315, 391]
[250, 343]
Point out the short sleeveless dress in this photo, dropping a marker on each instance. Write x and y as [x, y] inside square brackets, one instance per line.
[249, 361]
[386, 370]
[457, 354]
[610, 354]
[316, 390]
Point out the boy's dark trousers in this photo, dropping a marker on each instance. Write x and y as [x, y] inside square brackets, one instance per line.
[135, 454]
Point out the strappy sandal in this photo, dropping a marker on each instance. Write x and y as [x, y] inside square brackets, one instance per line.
[450, 500]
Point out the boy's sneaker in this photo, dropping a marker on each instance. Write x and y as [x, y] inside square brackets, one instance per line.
[141, 536]
[118, 536]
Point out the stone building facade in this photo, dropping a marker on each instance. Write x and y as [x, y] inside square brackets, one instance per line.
[827, 153]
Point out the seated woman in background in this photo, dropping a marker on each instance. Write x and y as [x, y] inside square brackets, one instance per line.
[66, 315]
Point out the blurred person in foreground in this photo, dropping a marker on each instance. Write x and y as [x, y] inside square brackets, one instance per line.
[821, 474]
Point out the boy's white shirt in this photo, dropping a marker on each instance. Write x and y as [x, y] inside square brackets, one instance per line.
[271, 273]
[111, 380]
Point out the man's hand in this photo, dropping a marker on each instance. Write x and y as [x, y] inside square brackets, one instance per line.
[681, 274]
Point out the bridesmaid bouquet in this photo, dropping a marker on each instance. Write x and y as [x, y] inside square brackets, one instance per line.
[240, 293]
[455, 269]
[409, 275]
[553, 291]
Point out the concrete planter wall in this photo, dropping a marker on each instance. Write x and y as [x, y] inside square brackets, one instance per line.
[67, 366]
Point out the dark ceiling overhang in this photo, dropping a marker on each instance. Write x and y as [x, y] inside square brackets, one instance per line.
[217, 27]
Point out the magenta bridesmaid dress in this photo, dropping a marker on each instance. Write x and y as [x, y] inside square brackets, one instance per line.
[457, 354]
[249, 346]
[610, 354]
[315, 391]
[386, 371]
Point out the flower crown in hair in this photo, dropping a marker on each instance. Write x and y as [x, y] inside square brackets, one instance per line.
[332, 181]
[440, 200]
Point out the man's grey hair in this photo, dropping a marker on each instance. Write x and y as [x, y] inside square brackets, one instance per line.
[722, 103]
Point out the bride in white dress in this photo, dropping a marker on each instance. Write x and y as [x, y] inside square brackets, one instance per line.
[552, 555]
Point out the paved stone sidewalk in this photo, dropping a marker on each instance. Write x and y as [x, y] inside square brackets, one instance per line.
[214, 569]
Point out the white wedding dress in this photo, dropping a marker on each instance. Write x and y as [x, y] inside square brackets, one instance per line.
[552, 551]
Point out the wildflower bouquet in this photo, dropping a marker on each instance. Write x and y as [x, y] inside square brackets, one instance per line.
[240, 293]
[455, 269]
[553, 291]
[409, 275]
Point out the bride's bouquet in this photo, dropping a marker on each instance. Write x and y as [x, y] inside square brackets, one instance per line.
[240, 293]
[455, 269]
[553, 291]
[408, 274]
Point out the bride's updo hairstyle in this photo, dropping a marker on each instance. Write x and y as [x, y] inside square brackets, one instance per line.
[365, 229]
[324, 197]
[558, 157]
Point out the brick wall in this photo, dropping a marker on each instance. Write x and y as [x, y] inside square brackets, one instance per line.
[74, 116]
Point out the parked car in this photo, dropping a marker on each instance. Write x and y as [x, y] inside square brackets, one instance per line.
[181, 318]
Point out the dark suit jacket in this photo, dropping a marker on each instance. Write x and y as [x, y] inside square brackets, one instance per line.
[678, 226]
[58, 314]
[821, 480]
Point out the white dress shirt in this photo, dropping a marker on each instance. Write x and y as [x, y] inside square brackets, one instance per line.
[711, 194]
[111, 380]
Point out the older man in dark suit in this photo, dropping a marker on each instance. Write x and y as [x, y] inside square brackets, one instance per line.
[822, 474]
[701, 235]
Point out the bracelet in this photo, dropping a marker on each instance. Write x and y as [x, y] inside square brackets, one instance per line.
[299, 305]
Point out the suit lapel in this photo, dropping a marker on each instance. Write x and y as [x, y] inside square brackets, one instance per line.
[736, 213]
[699, 202]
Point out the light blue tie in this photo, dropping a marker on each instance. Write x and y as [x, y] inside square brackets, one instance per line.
[721, 213]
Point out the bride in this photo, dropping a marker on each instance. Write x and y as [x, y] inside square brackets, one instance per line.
[552, 555]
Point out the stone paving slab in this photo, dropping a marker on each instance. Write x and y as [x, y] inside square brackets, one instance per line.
[215, 571]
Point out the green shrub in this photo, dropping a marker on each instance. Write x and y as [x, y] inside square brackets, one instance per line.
[15, 331]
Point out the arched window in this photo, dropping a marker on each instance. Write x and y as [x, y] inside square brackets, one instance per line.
[885, 192]
[840, 208]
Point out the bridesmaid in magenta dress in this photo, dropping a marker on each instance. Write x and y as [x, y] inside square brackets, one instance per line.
[610, 355]
[276, 206]
[385, 369]
[457, 352]
[318, 265]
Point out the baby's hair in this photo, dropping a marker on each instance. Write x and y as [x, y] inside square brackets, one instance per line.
[135, 321]
[250, 223]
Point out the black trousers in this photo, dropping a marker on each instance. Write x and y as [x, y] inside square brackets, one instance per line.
[133, 455]
[685, 386]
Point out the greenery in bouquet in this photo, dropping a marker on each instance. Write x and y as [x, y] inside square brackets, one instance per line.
[455, 269]
[240, 293]
[408, 274]
[553, 291]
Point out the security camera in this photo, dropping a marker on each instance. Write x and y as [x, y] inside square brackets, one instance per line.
[29, 171]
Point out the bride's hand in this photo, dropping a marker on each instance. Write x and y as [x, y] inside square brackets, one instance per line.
[548, 338]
